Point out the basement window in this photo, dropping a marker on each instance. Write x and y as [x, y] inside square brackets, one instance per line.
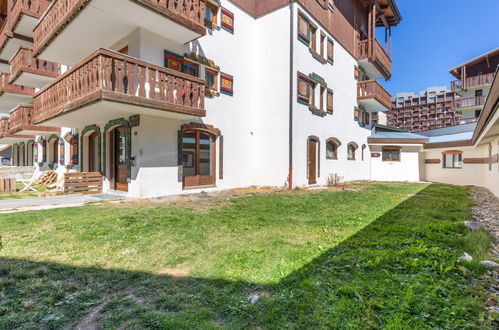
[391, 154]
[453, 159]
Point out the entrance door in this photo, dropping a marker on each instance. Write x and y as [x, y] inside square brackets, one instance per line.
[93, 152]
[198, 154]
[119, 158]
[312, 161]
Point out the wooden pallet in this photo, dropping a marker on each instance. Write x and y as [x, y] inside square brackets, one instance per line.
[83, 182]
[47, 178]
[8, 185]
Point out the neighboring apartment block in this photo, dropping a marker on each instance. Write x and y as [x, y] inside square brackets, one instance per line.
[438, 107]
[430, 109]
[161, 96]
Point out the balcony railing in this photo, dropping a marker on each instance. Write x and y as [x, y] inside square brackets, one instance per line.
[19, 117]
[7, 87]
[108, 75]
[469, 102]
[378, 54]
[189, 13]
[34, 8]
[371, 89]
[24, 61]
[479, 80]
[4, 126]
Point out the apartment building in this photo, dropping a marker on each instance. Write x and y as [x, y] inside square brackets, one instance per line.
[474, 79]
[438, 107]
[164, 96]
[430, 109]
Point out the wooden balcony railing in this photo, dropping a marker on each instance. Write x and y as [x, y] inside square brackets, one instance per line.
[19, 117]
[113, 76]
[7, 87]
[34, 8]
[376, 55]
[4, 126]
[371, 89]
[189, 13]
[24, 61]
[469, 102]
[479, 80]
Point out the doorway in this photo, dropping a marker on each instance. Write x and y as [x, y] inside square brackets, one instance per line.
[312, 160]
[93, 152]
[119, 138]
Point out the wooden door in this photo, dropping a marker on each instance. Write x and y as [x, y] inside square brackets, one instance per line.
[119, 158]
[198, 153]
[93, 152]
[312, 162]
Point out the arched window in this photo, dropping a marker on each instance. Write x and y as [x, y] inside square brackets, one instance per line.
[332, 145]
[352, 147]
[452, 159]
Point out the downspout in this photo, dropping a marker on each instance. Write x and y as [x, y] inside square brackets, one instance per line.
[291, 75]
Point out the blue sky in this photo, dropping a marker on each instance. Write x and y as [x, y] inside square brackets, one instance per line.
[436, 35]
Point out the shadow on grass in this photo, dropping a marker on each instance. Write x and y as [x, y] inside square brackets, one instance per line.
[399, 272]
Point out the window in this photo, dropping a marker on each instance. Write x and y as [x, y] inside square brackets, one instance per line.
[323, 44]
[453, 159]
[330, 50]
[477, 113]
[352, 147]
[391, 154]
[332, 148]
[304, 30]
[322, 103]
[211, 79]
[330, 95]
[478, 92]
[190, 68]
[311, 100]
[210, 15]
[363, 149]
[313, 38]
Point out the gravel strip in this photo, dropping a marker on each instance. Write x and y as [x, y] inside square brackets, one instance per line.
[486, 213]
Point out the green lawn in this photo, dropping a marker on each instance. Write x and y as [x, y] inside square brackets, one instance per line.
[375, 258]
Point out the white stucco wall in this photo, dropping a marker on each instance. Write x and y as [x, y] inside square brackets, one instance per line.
[407, 169]
[341, 125]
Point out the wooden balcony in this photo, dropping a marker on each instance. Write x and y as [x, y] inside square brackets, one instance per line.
[108, 85]
[374, 59]
[373, 96]
[99, 23]
[20, 122]
[472, 82]
[469, 103]
[12, 95]
[18, 28]
[32, 72]
[6, 137]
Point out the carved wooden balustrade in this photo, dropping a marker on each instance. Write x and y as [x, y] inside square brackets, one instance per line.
[4, 126]
[377, 55]
[7, 87]
[189, 13]
[34, 8]
[371, 89]
[19, 117]
[108, 75]
[24, 61]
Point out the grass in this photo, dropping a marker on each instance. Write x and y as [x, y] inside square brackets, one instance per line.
[375, 258]
[40, 190]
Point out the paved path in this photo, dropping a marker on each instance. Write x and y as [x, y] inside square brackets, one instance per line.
[53, 202]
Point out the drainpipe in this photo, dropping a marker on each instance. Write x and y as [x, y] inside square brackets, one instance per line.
[291, 75]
